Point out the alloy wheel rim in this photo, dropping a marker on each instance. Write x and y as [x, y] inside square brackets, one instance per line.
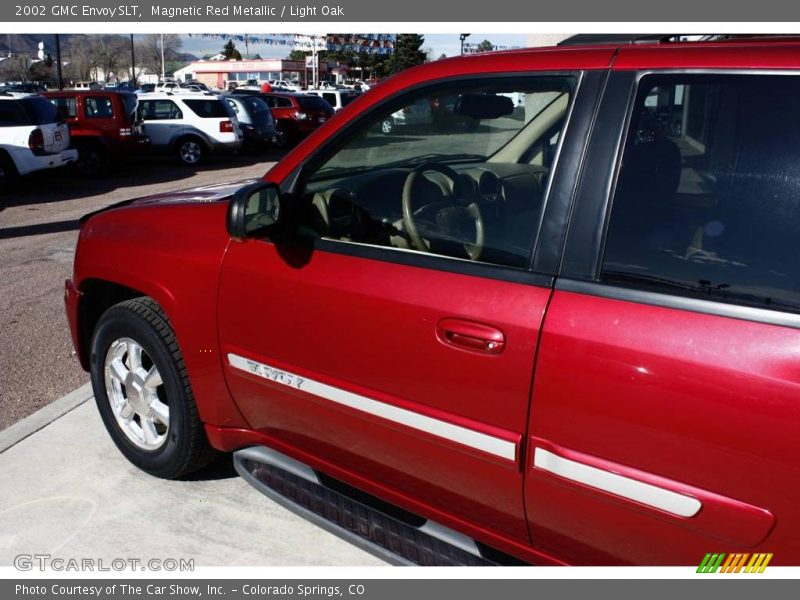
[136, 394]
[190, 152]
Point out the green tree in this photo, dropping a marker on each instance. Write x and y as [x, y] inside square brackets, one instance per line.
[485, 46]
[230, 51]
[408, 51]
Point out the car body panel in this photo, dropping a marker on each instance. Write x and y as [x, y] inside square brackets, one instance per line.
[386, 351]
[105, 130]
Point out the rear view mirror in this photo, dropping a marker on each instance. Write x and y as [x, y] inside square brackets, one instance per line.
[484, 106]
[257, 210]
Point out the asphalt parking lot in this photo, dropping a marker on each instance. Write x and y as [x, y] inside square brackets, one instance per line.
[38, 230]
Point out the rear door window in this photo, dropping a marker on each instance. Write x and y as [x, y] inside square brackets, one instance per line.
[155, 110]
[98, 107]
[10, 115]
[707, 202]
[40, 110]
[67, 106]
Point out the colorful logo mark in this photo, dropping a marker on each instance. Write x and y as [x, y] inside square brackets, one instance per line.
[734, 563]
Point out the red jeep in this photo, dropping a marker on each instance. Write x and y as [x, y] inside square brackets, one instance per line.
[569, 335]
[102, 124]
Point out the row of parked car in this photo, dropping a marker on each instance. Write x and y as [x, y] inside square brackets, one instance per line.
[94, 128]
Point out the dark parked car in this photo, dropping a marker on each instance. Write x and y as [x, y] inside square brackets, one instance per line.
[103, 125]
[571, 336]
[255, 119]
[296, 114]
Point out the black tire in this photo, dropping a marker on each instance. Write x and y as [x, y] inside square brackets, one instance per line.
[186, 448]
[92, 160]
[190, 151]
[387, 126]
[8, 171]
[285, 135]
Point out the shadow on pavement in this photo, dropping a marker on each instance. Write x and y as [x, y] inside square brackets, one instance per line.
[65, 184]
[39, 229]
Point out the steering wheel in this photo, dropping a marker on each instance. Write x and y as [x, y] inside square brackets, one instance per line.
[443, 220]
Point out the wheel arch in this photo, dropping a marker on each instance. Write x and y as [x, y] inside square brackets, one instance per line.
[5, 155]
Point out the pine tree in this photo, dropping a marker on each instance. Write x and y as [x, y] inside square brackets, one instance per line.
[230, 51]
[407, 51]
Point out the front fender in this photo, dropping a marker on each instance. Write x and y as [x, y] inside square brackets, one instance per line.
[172, 253]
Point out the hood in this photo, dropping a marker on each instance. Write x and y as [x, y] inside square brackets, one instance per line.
[208, 193]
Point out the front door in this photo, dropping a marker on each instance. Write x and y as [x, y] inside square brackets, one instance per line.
[393, 342]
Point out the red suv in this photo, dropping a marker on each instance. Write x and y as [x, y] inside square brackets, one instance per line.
[296, 114]
[103, 126]
[568, 335]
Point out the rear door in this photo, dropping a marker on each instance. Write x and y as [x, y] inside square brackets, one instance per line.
[163, 120]
[664, 417]
[99, 113]
[401, 370]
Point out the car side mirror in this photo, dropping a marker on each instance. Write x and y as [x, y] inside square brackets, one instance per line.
[258, 210]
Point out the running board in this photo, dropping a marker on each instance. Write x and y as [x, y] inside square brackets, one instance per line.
[384, 530]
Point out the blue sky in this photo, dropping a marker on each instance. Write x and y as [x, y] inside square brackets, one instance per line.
[436, 42]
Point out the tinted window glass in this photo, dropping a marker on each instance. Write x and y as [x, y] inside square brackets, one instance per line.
[40, 110]
[708, 196]
[208, 109]
[67, 106]
[154, 110]
[463, 178]
[99, 107]
[348, 98]
[330, 98]
[313, 103]
[9, 115]
[129, 101]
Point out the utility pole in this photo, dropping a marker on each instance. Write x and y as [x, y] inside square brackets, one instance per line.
[133, 64]
[246, 47]
[59, 76]
[163, 73]
[462, 37]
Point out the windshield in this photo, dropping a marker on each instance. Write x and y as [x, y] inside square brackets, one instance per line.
[41, 111]
[507, 119]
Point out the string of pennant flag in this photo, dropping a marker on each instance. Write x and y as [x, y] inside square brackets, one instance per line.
[370, 43]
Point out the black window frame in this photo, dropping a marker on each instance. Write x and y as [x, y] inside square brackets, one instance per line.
[581, 262]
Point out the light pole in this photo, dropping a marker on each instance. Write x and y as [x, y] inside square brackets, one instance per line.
[163, 74]
[133, 64]
[462, 37]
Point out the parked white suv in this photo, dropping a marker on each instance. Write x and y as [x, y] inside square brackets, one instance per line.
[292, 86]
[337, 98]
[189, 126]
[33, 135]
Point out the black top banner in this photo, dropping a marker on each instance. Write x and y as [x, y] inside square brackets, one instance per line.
[719, 11]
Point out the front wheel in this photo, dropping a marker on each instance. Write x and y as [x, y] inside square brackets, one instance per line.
[387, 126]
[143, 393]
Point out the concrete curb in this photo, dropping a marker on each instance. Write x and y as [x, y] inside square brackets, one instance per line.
[43, 417]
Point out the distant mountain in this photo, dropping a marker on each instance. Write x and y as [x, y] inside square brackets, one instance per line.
[27, 44]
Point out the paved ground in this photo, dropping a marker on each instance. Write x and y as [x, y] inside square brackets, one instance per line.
[38, 230]
[68, 492]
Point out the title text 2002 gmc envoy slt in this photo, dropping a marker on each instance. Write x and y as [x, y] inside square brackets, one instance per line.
[558, 326]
